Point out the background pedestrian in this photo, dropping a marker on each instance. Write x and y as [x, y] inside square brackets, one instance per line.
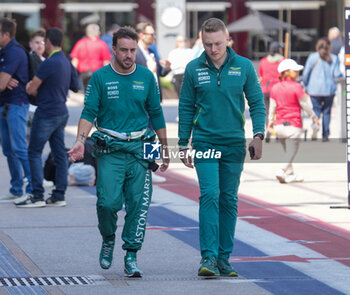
[269, 75]
[321, 69]
[179, 58]
[287, 100]
[90, 53]
[50, 85]
[14, 109]
[146, 57]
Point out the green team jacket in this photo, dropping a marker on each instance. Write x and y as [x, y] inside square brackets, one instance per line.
[122, 102]
[212, 101]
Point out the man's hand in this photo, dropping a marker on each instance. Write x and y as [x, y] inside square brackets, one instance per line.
[77, 151]
[165, 159]
[256, 143]
[316, 121]
[161, 133]
[33, 86]
[165, 63]
[186, 160]
[29, 84]
[13, 83]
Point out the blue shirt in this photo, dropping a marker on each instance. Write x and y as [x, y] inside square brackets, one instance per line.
[14, 61]
[109, 41]
[318, 75]
[58, 76]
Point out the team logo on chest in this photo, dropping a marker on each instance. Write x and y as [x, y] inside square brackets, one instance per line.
[137, 85]
[234, 71]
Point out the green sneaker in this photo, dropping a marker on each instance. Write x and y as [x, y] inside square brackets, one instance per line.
[131, 269]
[225, 268]
[106, 253]
[208, 267]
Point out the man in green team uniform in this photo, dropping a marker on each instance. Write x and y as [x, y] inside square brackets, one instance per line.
[211, 108]
[122, 97]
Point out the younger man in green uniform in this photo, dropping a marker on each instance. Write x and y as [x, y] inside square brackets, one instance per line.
[122, 97]
[211, 108]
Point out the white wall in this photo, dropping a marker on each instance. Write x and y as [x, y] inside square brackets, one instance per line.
[170, 22]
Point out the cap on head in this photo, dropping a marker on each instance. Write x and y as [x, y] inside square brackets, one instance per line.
[289, 64]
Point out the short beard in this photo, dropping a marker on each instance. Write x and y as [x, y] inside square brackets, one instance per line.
[120, 63]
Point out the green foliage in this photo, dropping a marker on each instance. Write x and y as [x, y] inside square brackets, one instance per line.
[165, 82]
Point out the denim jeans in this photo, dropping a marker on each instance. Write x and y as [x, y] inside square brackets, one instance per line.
[50, 129]
[13, 127]
[323, 104]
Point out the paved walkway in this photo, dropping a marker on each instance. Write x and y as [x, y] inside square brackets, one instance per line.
[288, 239]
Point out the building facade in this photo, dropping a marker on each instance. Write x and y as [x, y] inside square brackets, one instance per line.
[312, 19]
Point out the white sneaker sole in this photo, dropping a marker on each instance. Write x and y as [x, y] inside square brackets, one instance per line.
[136, 274]
[57, 204]
[294, 180]
[40, 204]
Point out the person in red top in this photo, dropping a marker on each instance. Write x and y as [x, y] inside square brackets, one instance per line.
[287, 98]
[90, 53]
[269, 75]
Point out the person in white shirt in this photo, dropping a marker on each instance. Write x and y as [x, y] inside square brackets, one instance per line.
[179, 58]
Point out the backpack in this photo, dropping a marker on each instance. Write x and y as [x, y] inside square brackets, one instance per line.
[34, 62]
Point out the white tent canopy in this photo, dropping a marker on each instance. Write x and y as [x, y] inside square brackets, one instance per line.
[284, 5]
[21, 7]
[98, 6]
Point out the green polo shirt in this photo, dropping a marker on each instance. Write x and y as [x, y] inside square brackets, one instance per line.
[123, 102]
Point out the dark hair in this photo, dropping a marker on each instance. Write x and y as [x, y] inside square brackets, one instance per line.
[323, 47]
[213, 25]
[38, 33]
[274, 47]
[125, 32]
[55, 35]
[8, 26]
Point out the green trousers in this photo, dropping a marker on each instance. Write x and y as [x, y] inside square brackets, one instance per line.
[122, 179]
[218, 180]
